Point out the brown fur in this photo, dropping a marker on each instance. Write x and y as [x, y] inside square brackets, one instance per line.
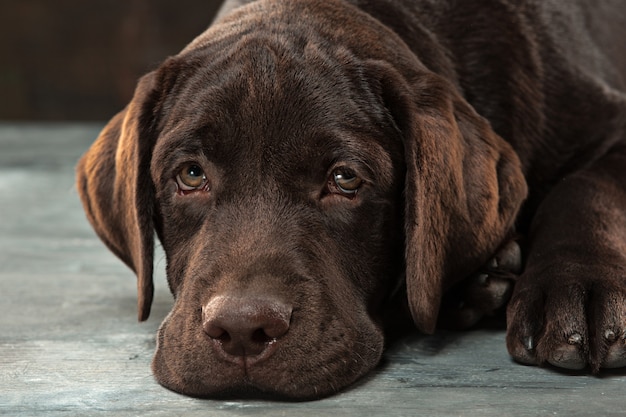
[448, 113]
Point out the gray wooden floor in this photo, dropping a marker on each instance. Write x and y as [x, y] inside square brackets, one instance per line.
[70, 343]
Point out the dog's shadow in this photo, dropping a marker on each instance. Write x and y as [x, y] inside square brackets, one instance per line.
[414, 349]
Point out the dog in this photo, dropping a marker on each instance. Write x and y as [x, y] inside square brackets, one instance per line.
[309, 164]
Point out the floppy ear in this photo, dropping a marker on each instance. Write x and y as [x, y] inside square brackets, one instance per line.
[114, 183]
[464, 187]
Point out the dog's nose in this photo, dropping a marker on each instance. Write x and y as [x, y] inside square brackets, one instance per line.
[246, 327]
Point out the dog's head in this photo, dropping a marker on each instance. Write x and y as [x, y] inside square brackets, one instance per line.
[294, 173]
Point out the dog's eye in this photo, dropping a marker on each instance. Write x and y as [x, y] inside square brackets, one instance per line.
[346, 181]
[191, 177]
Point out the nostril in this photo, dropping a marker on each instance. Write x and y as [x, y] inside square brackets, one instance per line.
[216, 332]
[275, 325]
[260, 337]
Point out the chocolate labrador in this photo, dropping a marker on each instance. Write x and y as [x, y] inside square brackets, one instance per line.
[307, 163]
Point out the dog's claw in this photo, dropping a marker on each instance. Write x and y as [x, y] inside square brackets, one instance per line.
[507, 259]
[482, 280]
[524, 352]
[575, 339]
[610, 335]
[529, 343]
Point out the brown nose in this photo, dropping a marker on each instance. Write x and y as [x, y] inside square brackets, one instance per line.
[244, 327]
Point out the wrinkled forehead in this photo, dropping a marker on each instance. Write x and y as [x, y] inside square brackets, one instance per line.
[270, 76]
[272, 97]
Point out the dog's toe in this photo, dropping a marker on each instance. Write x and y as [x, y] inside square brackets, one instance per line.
[485, 292]
[607, 307]
[523, 350]
[569, 355]
[507, 259]
[491, 289]
[479, 296]
[616, 354]
[524, 325]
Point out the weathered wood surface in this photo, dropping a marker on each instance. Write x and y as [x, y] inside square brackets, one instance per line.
[70, 343]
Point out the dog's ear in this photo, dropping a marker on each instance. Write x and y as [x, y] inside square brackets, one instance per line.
[464, 187]
[114, 183]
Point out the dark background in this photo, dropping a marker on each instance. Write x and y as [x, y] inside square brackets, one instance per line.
[80, 59]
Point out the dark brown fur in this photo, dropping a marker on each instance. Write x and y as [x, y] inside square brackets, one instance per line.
[449, 113]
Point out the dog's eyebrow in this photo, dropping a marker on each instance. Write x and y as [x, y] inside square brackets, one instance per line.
[172, 149]
[366, 153]
[184, 139]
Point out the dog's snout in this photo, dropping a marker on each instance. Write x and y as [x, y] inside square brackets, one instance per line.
[243, 327]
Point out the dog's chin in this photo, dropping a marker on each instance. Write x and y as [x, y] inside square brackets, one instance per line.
[242, 390]
[290, 386]
[304, 369]
[245, 390]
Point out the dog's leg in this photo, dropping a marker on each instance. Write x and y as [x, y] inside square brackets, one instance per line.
[485, 292]
[569, 305]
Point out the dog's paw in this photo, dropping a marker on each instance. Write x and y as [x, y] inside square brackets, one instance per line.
[485, 292]
[573, 318]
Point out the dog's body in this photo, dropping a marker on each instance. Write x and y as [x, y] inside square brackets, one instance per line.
[303, 159]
